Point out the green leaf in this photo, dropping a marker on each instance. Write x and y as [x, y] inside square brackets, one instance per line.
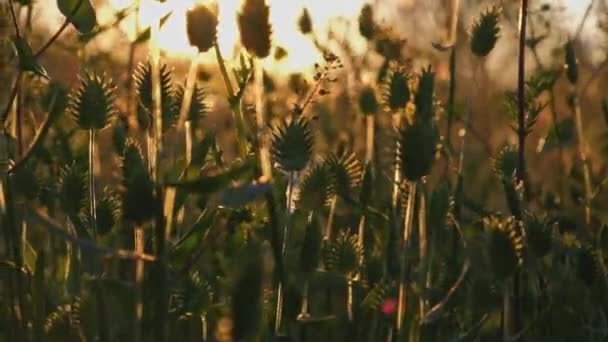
[237, 197]
[564, 133]
[79, 13]
[27, 59]
[212, 184]
[145, 35]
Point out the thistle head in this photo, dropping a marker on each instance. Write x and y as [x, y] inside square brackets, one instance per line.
[143, 84]
[424, 97]
[198, 106]
[92, 104]
[416, 148]
[201, 24]
[368, 104]
[485, 32]
[255, 28]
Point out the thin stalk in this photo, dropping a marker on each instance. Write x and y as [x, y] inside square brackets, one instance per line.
[131, 97]
[204, 327]
[397, 174]
[330, 218]
[189, 91]
[423, 247]
[521, 93]
[304, 311]
[369, 145]
[260, 120]
[349, 297]
[582, 150]
[408, 220]
[92, 200]
[288, 213]
[521, 132]
[156, 101]
[139, 279]
[235, 104]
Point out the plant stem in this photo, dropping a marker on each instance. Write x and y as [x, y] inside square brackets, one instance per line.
[408, 220]
[423, 246]
[156, 100]
[92, 200]
[582, 149]
[369, 150]
[132, 91]
[139, 279]
[235, 104]
[260, 121]
[521, 99]
[288, 213]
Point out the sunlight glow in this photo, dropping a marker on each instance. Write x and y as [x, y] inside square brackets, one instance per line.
[284, 16]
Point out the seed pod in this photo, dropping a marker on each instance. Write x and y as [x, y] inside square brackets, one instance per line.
[311, 247]
[417, 145]
[397, 92]
[255, 29]
[305, 22]
[201, 24]
[108, 212]
[485, 32]
[198, 106]
[504, 246]
[314, 188]
[571, 63]
[368, 104]
[92, 104]
[367, 25]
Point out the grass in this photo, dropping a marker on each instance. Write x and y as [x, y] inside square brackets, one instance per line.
[145, 225]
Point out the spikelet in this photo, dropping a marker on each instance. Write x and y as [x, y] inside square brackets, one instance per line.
[92, 104]
[255, 29]
[201, 25]
[368, 104]
[505, 245]
[344, 255]
[305, 22]
[315, 188]
[485, 32]
[108, 212]
[72, 190]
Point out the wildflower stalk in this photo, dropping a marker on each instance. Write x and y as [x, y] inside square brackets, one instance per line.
[132, 90]
[397, 174]
[288, 212]
[423, 248]
[582, 150]
[157, 108]
[521, 93]
[369, 145]
[139, 241]
[260, 121]
[235, 104]
[408, 220]
[92, 200]
[184, 120]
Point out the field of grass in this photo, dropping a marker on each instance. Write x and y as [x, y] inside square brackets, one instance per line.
[372, 199]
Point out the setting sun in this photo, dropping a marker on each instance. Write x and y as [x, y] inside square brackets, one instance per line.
[284, 15]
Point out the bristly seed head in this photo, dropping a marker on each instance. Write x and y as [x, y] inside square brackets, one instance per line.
[201, 24]
[255, 29]
[92, 104]
[485, 32]
[368, 104]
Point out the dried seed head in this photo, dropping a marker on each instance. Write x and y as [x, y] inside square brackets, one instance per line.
[397, 91]
[424, 95]
[201, 24]
[92, 104]
[367, 25]
[485, 32]
[255, 29]
[305, 22]
[368, 104]
[143, 84]
[292, 145]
